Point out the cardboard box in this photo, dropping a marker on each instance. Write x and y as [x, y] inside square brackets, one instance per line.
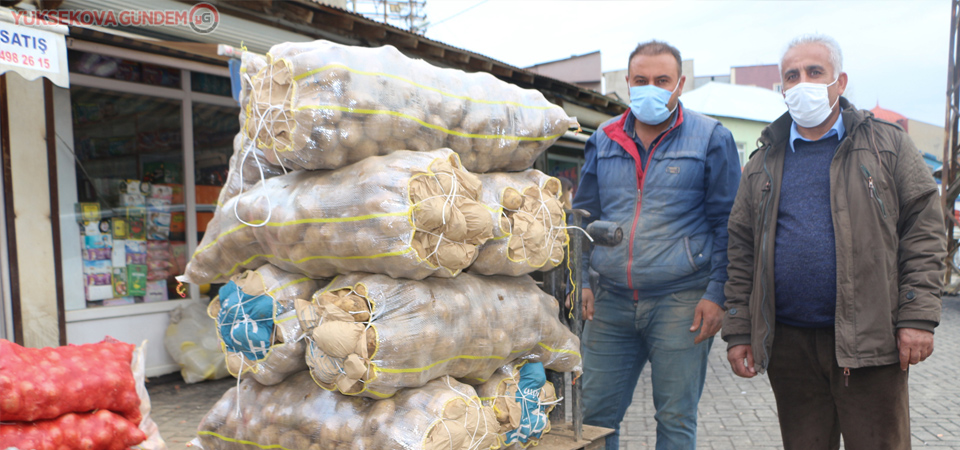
[156, 291]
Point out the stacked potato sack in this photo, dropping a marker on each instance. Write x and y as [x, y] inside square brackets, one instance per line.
[442, 415]
[396, 217]
[269, 295]
[529, 230]
[321, 105]
[249, 164]
[77, 396]
[407, 214]
[371, 335]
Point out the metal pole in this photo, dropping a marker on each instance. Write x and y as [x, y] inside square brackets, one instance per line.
[553, 285]
[576, 254]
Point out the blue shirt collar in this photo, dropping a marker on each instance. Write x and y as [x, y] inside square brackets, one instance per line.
[629, 125]
[837, 130]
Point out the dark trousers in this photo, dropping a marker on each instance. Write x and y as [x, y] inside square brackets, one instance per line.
[817, 403]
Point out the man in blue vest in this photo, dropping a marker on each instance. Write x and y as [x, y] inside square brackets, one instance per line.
[668, 176]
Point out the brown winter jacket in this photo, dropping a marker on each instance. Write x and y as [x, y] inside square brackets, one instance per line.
[890, 243]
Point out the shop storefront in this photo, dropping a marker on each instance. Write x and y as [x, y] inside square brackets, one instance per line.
[149, 147]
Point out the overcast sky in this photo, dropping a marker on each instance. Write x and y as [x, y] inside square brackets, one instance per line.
[894, 52]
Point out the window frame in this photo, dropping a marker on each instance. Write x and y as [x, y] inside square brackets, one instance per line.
[187, 97]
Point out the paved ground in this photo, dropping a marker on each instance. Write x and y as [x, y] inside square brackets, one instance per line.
[735, 413]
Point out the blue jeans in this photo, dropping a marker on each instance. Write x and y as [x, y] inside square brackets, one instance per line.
[620, 339]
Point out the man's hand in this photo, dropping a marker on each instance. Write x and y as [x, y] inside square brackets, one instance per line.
[741, 360]
[915, 346]
[711, 315]
[587, 304]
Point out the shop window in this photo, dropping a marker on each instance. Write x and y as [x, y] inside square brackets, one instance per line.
[210, 84]
[123, 69]
[214, 128]
[129, 153]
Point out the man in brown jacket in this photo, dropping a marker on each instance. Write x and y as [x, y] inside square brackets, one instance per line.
[836, 255]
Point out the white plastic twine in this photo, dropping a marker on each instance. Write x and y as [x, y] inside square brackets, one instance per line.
[261, 115]
[261, 123]
[245, 319]
[239, 374]
[449, 433]
[236, 203]
[448, 202]
[474, 442]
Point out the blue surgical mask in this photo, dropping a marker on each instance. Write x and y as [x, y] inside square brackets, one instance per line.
[649, 103]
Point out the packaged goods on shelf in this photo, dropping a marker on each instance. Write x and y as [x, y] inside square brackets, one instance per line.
[373, 335]
[406, 214]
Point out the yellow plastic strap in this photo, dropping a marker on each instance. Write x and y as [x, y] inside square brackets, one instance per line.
[301, 222]
[423, 369]
[294, 282]
[241, 441]
[573, 285]
[311, 258]
[424, 124]
[559, 350]
[414, 83]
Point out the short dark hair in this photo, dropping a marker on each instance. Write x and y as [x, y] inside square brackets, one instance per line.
[656, 47]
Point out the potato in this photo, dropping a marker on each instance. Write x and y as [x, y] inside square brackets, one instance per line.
[334, 79]
[293, 439]
[417, 143]
[378, 127]
[407, 124]
[364, 149]
[434, 136]
[350, 133]
[392, 144]
[452, 109]
[358, 100]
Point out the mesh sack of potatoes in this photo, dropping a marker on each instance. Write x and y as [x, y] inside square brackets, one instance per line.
[521, 399]
[284, 348]
[247, 167]
[407, 214]
[530, 231]
[371, 335]
[295, 414]
[322, 105]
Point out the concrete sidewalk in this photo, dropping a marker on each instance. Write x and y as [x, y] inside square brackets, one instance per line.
[735, 413]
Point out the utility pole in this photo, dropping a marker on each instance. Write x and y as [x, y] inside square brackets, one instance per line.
[950, 184]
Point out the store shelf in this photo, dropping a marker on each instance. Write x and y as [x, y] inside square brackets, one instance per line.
[106, 312]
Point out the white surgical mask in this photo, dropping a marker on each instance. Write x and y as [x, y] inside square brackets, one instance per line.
[809, 103]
